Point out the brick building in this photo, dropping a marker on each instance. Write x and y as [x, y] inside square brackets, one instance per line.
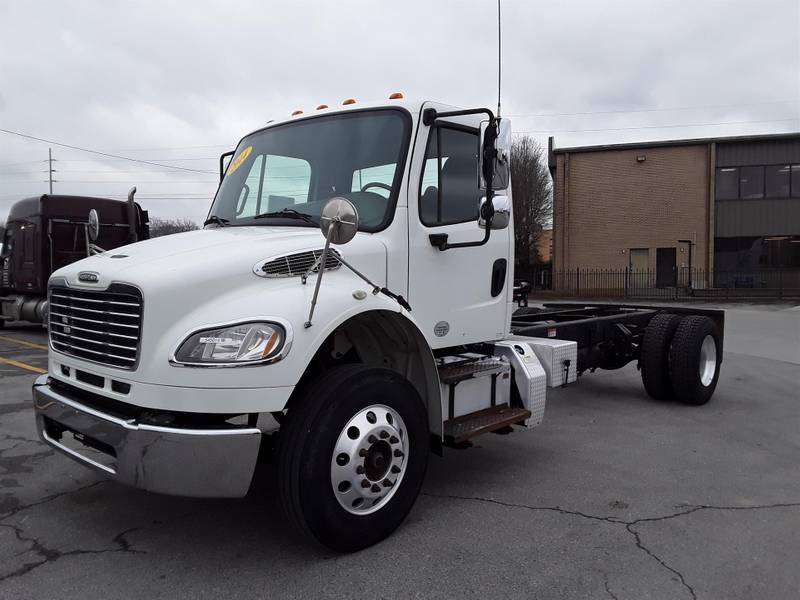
[732, 203]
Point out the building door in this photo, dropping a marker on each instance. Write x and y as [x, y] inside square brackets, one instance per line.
[665, 267]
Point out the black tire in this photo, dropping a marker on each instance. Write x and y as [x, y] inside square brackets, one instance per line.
[305, 450]
[654, 356]
[687, 360]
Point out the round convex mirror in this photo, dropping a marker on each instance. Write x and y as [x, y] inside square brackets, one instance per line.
[340, 219]
[93, 225]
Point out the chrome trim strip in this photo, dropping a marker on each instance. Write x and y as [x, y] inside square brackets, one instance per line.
[100, 312]
[287, 343]
[136, 304]
[94, 321]
[128, 358]
[76, 455]
[129, 337]
[75, 337]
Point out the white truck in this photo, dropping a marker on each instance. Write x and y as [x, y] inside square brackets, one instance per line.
[176, 363]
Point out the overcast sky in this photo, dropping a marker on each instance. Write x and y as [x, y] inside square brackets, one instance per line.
[181, 82]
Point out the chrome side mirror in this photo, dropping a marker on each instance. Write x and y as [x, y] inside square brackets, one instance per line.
[93, 226]
[502, 153]
[502, 212]
[339, 221]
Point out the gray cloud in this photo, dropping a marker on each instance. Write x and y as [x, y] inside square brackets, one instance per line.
[182, 82]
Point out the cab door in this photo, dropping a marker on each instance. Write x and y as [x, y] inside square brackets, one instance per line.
[458, 296]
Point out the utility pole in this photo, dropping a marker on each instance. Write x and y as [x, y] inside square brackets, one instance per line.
[50, 168]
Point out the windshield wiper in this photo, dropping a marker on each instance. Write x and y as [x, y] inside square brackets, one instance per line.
[214, 219]
[287, 213]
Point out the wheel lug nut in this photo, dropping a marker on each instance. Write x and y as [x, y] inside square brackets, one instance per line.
[362, 452]
[372, 439]
[360, 469]
[393, 440]
[387, 483]
[384, 434]
[395, 469]
[398, 453]
[365, 484]
[376, 488]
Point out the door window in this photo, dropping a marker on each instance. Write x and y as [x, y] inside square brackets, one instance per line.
[449, 190]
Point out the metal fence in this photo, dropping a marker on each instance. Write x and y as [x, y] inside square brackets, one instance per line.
[683, 283]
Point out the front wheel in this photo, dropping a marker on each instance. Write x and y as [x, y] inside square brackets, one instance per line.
[352, 455]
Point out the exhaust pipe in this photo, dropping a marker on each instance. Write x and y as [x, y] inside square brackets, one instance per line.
[132, 236]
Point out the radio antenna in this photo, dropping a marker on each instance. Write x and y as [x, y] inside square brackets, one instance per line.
[499, 57]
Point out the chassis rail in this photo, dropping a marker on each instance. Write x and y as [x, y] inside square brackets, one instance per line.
[608, 335]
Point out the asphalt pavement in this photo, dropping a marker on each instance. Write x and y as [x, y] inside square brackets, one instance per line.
[613, 496]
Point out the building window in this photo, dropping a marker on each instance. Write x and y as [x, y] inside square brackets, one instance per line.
[796, 181]
[639, 259]
[751, 182]
[727, 183]
[778, 181]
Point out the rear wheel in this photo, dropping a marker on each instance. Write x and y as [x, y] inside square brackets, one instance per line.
[352, 455]
[655, 355]
[695, 358]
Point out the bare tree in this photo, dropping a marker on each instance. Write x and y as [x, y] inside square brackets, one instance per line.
[159, 227]
[532, 190]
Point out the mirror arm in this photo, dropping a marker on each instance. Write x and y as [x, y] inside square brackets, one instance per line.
[429, 115]
[222, 158]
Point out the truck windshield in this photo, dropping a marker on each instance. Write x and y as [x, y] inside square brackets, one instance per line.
[299, 166]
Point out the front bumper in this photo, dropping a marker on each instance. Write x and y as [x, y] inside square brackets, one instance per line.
[179, 461]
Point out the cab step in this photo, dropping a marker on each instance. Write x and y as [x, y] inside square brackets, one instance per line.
[458, 368]
[466, 427]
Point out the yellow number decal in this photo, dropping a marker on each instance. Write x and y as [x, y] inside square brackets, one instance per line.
[239, 160]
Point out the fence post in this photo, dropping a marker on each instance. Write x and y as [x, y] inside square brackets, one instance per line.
[625, 284]
[578, 282]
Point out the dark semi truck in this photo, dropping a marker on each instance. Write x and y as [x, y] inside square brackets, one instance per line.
[45, 233]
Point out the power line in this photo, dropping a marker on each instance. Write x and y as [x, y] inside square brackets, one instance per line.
[649, 110]
[655, 126]
[97, 152]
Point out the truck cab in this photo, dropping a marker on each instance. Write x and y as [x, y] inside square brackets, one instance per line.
[343, 358]
[45, 233]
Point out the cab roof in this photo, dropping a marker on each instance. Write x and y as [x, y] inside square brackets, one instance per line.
[74, 207]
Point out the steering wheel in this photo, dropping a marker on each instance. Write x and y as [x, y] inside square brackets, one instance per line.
[384, 186]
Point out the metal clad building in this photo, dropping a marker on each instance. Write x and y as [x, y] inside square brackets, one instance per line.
[721, 203]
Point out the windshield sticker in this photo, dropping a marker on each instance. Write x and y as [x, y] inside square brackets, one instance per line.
[239, 160]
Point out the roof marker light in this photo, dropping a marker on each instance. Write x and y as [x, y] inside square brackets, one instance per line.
[297, 112]
[396, 96]
[349, 101]
[321, 106]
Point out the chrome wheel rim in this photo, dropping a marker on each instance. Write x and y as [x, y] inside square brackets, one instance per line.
[369, 459]
[708, 360]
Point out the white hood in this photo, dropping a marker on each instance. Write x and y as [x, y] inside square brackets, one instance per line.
[218, 258]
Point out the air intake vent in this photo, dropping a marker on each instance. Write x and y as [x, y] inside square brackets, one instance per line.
[295, 265]
[100, 326]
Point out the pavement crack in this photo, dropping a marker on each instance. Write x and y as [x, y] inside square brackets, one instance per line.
[47, 499]
[639, 544]
[608, 587]
[556, 509]
[49, 555]
[629, 525]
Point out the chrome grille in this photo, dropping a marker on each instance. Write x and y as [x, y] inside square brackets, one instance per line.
[294, 265]
[99, 326]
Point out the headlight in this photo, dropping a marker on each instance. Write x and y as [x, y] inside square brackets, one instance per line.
[242, 344]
